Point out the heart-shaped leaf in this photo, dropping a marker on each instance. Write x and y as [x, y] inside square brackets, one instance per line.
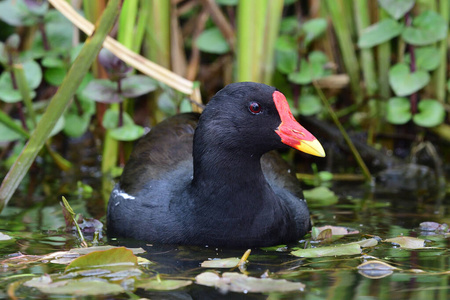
[398, 111]
[379, 33]
[427, 58]
[286, 61]
[212, 41]
[403, 82]
[397, 8]
[102, 90]
[313, 29]
[429, 27]
[137, 85]
[128, 132]
[431, 113]
[311, 69]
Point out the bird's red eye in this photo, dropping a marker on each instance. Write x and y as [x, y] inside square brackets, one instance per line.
[254, 107]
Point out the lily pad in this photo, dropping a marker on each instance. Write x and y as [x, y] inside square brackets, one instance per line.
[431, 113]
[397, 8]
[109, 258]
[407, 242]
[235, 282]
[74, 287]
[404, 83]
[221, 263]
[338, 250]
[163, 285]
[379, 33]
[429, 27]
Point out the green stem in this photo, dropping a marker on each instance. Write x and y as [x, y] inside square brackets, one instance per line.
[349, 142]
[441, 73]
[24, 91]
[59, 103]
[384, 63]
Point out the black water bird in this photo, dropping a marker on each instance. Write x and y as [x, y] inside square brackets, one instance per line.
[210, 179]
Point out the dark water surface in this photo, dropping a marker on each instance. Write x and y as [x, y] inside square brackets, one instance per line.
[421, 274]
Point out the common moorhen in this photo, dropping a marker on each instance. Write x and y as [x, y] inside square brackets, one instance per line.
[210, 179]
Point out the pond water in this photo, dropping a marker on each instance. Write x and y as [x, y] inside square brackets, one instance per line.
[421, 274]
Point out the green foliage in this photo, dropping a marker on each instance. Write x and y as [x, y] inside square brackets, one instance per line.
[397, 8]
[212, 41]
[379, 33]
[429, 27]
[404, 83]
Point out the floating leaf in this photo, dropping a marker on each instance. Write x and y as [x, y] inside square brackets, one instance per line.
[4, 237]
[433, 226]
[431, 113]
[407, 242]
[221, 263]
[429, 27]
[404, 83]
[379, 33]
[367, 242]
[80, 287]
[375, 269]
[320, 196]
[212, 41]
[397, 8]
[163, 285]
[235, 282]
[109, 258]
[398, 111]
[338, 250]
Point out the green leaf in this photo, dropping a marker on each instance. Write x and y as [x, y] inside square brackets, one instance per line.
[55, 130]
[128, 132]
[75, 288]
[286, 43]
[55, 76]
[379, 33]
[163, 285]
[397, 8]
[427, 58]
[398, 111]
[289, 25]
[167, 104]
[429, 27]
[404, 83]
[111, 119]
[11, 12]
[102, 90]
[212, 41]
[76, 125]
[33, 73]
[53, 62]
[227, 2]
[286, 61]
[313, 29]
[137, 85]
[309, 105]
[320, 196]
[7, 134]
[431, 113]
[338, 250]
[105, 259]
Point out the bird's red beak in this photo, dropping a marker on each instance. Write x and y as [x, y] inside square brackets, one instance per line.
[291, 132]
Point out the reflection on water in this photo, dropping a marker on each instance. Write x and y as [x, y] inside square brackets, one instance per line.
[421, 274]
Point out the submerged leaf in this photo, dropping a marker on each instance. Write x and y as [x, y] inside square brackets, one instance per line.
[235, 282]
[346, 249]
[375, 269]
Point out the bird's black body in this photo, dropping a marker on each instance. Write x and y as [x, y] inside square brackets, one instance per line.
[220, 186]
